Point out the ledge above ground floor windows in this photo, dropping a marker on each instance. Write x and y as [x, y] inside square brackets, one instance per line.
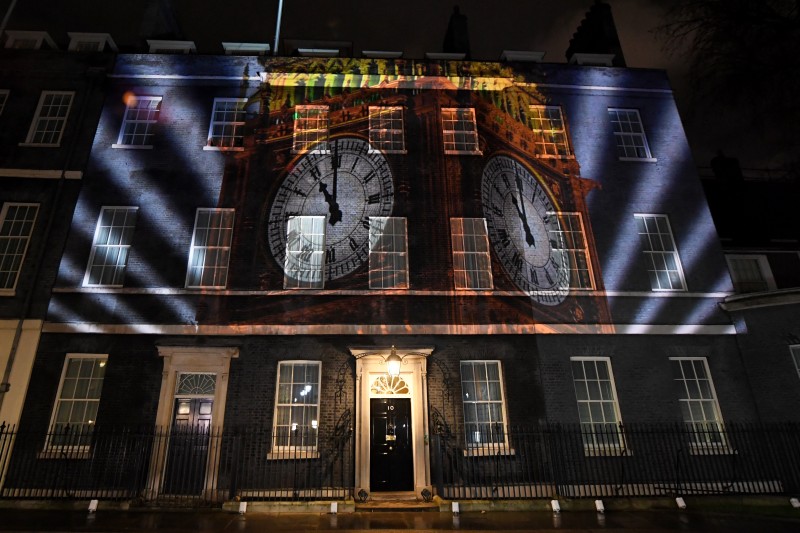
[34, 173]
[754, 300]
[389, 329]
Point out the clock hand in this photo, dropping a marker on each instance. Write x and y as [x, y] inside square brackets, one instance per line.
[335, 168]
[521, 212]
[333, 206]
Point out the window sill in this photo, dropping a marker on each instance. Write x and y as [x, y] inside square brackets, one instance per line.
[290, 455]
[546, 156]
[102, 286]
[8, 292]
[641, 159]
[669, 290]
[39, 145]
[463, 152]
[223, 149]
[381, 151]
[133, 146]
[76, 453]
[488, 451]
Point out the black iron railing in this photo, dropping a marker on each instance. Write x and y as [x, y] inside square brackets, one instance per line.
[634, 460]
[197, 465]
[185, 464]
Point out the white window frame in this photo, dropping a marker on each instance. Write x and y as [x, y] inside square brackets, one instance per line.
[3, 99]
[494, 445]
[233, 141]
[37, 38]
[305, 450]
[470, 249]
[658, 254]
[87, 423]
[217, 242]
[545, 137]
[10, 234]
[305, 252]
[794, 351]
[310, 129]
[388, 253]
[567, 235]
[622, 137]
[703, 441]
[60, 120]
[157, 46]
[762, 265]
[387, 129]
[149, 123]
[597, 442]
[453, 118]
[78, 42]
[102, 247]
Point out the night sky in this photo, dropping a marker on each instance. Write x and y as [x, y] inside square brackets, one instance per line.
[413, 26]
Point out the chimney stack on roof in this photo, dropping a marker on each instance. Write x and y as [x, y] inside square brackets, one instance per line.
[596, 36]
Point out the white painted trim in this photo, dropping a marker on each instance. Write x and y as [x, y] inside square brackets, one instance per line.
[40, 173]
[369, 365]
[408, 81]
[171, 291]
[390, 329]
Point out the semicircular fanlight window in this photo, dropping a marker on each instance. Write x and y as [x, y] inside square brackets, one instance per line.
[389, 385]
[197, 383]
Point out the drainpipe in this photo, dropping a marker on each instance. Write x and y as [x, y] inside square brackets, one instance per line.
[277, 27]
[8, 16]
[91, 73]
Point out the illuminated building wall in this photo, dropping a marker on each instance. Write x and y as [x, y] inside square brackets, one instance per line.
[43, 157]
[639, 293]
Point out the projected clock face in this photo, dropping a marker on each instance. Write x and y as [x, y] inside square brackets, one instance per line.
[344, 180]
[524, 229]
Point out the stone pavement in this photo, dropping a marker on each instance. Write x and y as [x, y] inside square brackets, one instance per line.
[170, 521]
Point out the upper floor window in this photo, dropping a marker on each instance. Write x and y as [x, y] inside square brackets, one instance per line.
[698, 400]
[78, 398]
[310, 128]
[226, 131]
[171, 47]
[629, 134]
[50, 118]
[571, 236]
[112, 240]
[305, 253]
[3, 99]
[549, 132]
[386, 129]
[750, 272]
[658, 246]
[459, 131]
[388, 253]
[211, 248]
[472, 264]
[598, 409]
[296, 418]
[90, 42]
[139, 122]
[484, 404]
[29, 40]
[16, 228]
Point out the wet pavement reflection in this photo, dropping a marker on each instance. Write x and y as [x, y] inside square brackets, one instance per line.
[220, 521]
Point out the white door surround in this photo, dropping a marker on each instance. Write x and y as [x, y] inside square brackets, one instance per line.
[370, 366]
[190, 359]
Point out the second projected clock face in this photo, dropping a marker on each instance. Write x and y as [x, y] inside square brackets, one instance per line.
[344, 180]
[524, 230]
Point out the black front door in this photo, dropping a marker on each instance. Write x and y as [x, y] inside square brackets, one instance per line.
[185, 471]
[391, 465]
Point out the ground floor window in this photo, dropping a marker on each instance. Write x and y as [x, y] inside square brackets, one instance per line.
[483, 399]
[296, 419]
[75, 411]
[598, 409]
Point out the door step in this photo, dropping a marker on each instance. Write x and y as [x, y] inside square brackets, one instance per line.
[395, 501]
